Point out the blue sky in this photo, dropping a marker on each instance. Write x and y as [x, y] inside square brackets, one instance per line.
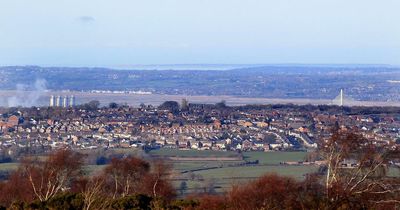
[131, 32]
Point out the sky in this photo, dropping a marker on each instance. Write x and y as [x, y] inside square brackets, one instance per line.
[113, 33]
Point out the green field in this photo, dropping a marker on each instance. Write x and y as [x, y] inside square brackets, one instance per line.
[263, 157]
[192, 153]
[274, 157]
[8, 166]
[224, 178]
[257, 171]
[224, 174]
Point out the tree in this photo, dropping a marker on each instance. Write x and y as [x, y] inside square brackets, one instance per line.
[132, 202]
[66, 200]
[125, 176]
[183, 187]
[211, 202]
[92, 105]
[221, 105]
[268, 192]
[171, 106]
[48, 178]
[356, 171]
[156, 183]
[185, 105]
[113, 105]
[15, 189]
[92, 189]
[208, 186]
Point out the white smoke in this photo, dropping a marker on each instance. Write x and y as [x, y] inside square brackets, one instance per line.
[28, 95]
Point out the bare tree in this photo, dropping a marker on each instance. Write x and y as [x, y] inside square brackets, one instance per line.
[357, 168]
[92, 190]
[160, 171]
[125, 175]
[54, 174]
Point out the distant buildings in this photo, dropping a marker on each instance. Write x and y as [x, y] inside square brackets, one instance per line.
[72, 101]
[52, 101]
[65, 101]
[59, 101]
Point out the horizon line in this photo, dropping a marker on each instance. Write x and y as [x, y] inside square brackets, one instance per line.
[194, 65]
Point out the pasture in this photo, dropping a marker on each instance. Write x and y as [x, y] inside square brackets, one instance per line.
[219, 175]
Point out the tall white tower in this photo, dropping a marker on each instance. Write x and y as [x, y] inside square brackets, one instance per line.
[65, 101]
[52, 98]
[72, 101]
[58, 101]
[341, 97]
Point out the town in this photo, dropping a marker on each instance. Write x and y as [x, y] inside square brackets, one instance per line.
[187, 126]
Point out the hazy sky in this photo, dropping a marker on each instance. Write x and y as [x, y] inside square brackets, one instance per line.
[128, 32]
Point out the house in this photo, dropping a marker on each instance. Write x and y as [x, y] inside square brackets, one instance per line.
[262, 124]
[303, 129]
[246, 145]
[13, 121]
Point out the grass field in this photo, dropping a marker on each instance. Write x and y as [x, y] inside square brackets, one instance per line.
[224, 174]
[257, 171]
[224, 178]
[274, 157]
[192, 153]
[195, 165]
[8, 166]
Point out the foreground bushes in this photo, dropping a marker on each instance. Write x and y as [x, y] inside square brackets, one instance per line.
[59, 182]
[134, 183]
[268, 192]
[76, 201]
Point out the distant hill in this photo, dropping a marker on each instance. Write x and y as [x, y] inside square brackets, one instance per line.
[361, 82]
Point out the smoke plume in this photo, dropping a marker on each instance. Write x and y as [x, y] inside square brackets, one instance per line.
[27, 95]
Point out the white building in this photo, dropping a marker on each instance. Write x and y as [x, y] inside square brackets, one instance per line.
[72, 101]
[58, 101]
[52, 101]
[65, 101]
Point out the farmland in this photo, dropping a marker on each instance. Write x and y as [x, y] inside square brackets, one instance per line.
[225, 169]
[220, 175]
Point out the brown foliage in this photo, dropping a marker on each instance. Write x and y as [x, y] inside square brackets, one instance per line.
[41, 180]
[268, 192]
[211, 202]
[53, 175]
[133, 175]
[93, 191]
[364, 183]
[125, 176]
[16, 189]
[156, 183]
